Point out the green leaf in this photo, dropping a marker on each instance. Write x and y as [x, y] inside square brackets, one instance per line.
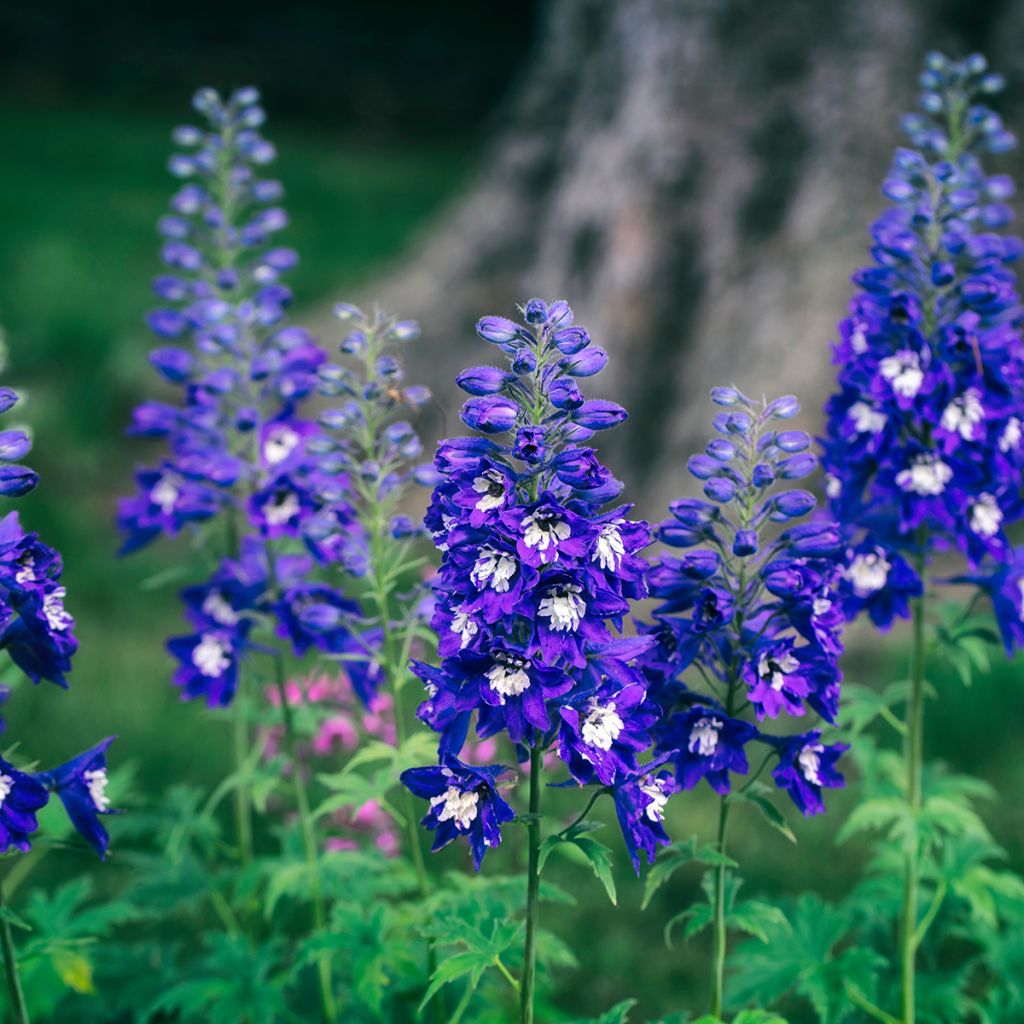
[12, 918]
[596, 854]
[757, 919]
[676, 856]
[457, 965]
[881, 813]
[756, 795]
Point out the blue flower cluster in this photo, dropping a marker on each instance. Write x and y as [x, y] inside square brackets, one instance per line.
[36, 630]
[37, 633]
[752, 610]
[240, 445]
[535, 581]
[925, 437]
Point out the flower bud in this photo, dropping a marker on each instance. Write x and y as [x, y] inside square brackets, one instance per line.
[563, 393]
[497, 330]
[483, 380]
[491, 414]
[599, 415]
[571, 340]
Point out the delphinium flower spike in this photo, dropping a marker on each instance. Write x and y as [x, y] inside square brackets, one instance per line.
[925, 447]
[536, 578]
[242, 471]
[37, 634]
[750, 619]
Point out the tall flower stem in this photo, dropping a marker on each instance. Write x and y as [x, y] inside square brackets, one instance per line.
[532, 890]
[913, 753]
[19, 1011]
[718, 969]
[309, 843]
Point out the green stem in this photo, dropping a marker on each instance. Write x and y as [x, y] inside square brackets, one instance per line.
[718, 969]
[330, 1011]
[532, 891]
[243, 800]
[913, 753]
[19, 1010]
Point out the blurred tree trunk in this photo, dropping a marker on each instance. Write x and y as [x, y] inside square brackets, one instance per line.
[696, 177]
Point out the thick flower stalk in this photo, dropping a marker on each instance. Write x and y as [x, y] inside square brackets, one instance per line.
[748, 631]
[37, 633]
[925, 440]
[535, 580]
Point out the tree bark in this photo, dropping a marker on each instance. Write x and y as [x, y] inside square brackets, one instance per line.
[696, 177]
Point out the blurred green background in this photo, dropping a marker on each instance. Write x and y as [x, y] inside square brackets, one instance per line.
[376, 130]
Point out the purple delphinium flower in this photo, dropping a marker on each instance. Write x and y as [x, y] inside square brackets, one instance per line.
[21, 797]
[81, 784]
[640, 807]
[464, 801]
[806, 767]
[713, 744]
[750, 608]
[536, 573]
[924, 447]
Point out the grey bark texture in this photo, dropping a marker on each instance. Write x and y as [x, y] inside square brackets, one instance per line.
[697, 179]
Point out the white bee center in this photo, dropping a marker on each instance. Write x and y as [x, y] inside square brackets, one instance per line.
[457, 805]
[215, 606]
[279, 444]
[493, 568]
[211, 656]
[508, 680]
[775, 670]
[927, 476]
[165, 493]
[986, 516]
[1009, 440]
[903, 372]
[867, 420]
[27, 572]
[963, 414]
[809, 760]
[6, 785]
[610, 550]
[602, 725]
[833, 486]
[96, 781]
[563, 608]
[545, 533]
[491, 485]
[281, 508]
[704, 737]
[655, 789]
[57, 617]
[466, 627]
[868, 572]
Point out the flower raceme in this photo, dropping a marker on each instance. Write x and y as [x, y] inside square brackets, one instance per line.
[239, 447]
[37, 633]
[750, 610]
[925, 447]
[536, 578]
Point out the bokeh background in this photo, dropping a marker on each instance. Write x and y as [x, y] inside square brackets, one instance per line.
[695, 176]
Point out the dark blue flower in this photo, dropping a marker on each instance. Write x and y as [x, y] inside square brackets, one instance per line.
[21, 797]
[711, 744]
[464, 801]
[81, 784]
[640, 807]
[806, 767]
